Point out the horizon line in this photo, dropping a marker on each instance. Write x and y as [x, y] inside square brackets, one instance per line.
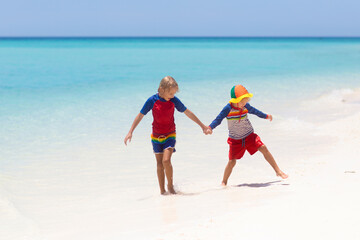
[3, 37]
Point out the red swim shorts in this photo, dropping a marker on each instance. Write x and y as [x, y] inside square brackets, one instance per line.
[237, 147]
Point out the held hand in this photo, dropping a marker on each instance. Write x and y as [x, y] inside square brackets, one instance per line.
[270, 117]
[207, 131]
[128, 137]
[204, 129]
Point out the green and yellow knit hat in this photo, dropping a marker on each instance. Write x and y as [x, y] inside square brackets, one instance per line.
[239, 92]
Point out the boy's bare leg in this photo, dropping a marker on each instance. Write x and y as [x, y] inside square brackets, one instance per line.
[168, 169]
[270, 159]
[228, 169]
[160, 172]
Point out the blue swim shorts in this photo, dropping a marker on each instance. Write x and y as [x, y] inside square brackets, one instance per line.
[162, 142]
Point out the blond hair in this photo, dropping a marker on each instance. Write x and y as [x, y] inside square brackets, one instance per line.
[167, 83]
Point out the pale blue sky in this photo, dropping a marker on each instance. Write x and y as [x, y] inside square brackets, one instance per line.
[180, 18]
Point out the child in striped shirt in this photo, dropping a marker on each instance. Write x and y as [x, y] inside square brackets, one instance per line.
[241, 132]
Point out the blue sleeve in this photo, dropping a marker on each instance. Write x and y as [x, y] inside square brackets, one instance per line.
[221, 116]
[178, 104]
[149, 104]
[254, 111]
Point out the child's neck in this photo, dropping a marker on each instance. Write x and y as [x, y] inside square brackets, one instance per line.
[235, 107]
[162, 96]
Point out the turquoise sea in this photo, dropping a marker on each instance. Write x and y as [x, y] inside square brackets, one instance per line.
[66, 105]
[62, 91]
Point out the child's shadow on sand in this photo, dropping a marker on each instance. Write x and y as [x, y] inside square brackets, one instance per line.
[251, 185]
[260, 185]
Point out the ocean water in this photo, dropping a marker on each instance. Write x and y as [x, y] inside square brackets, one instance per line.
[66, 105]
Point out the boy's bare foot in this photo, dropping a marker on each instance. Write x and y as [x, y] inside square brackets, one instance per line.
[171, 190]
[282, 175]
[223, 184]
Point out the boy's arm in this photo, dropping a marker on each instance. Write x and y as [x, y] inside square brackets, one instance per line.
[178, 104]
[193, 117]
[217, 121]
[145, 109]
[136, 122]
[257, 112]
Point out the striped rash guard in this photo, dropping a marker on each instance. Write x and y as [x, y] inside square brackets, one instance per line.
[238, 123]
[163, 113]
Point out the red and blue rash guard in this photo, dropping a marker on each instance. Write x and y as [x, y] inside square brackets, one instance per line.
[163, 113]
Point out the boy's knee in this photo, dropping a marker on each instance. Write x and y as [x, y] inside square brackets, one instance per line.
[160, 165]
[166, 161]
[263, 149]
[232, 163]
